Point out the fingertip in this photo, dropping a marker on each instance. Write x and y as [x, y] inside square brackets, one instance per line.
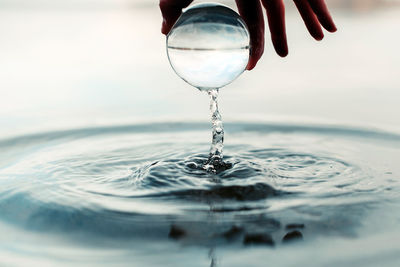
[319, 36]
[329, 25]
[283, 53]
[251, 65]
[282, 50]
[315, 30]
[166, 27]
[320, 9]
[255, 56]
[332, 29]
[164, 31]
[163, 28]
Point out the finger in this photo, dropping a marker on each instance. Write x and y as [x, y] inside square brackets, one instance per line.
[321, 10]
[171, 10]
[276, 21]
[310, 19]
[251, 12]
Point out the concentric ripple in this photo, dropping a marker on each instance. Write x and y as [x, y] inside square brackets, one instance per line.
[119, 180]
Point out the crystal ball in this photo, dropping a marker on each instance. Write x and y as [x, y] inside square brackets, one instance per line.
[209, 46]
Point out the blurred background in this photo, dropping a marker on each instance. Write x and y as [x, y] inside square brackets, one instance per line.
[81, 63]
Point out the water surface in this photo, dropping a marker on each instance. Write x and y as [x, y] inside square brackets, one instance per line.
[122, 194]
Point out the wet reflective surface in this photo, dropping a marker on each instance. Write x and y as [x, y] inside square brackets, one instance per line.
[140, 189]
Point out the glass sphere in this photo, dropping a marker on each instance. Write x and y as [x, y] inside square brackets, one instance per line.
[209, 46]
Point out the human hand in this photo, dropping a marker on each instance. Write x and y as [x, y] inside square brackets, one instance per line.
[313, 12]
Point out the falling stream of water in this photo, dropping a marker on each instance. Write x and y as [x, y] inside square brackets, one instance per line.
[215, 159]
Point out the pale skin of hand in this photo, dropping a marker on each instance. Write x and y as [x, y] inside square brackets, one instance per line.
[314, 13]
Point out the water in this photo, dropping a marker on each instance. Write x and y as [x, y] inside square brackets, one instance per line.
[217, 128]
[209, 46]
[215, 161]
[122, 194]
